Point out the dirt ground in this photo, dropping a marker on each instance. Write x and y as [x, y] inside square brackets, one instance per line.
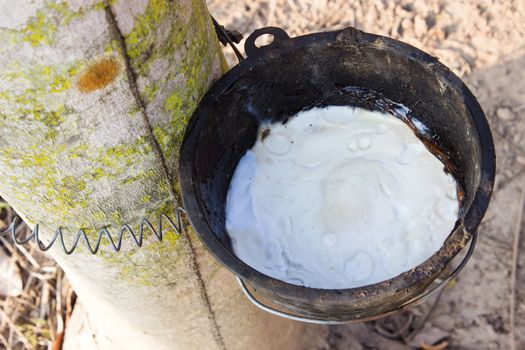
[484, 43]
[481, 41]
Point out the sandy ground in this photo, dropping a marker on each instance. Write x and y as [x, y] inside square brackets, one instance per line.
[484, 43]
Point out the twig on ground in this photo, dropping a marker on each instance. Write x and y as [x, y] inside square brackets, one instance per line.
[515, 253]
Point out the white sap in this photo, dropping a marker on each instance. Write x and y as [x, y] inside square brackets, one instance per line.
[339, 197]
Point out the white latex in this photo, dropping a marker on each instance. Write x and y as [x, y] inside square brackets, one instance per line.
[339, 197]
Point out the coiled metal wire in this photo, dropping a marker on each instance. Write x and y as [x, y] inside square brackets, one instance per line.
[115, 242]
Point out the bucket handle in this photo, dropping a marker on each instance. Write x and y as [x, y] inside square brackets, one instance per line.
[278, 35]
[276, 312]
[440, 284]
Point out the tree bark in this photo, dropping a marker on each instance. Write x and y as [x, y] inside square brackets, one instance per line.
[94, 100]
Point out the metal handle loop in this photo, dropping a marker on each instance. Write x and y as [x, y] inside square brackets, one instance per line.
[427, 292]
[278, 312]
[278, 35]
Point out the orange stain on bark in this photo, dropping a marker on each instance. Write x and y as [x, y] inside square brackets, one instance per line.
[98, 75]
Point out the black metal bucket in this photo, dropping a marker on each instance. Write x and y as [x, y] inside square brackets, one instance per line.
[289, 75]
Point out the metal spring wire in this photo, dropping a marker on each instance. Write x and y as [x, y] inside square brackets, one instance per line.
[138, 239]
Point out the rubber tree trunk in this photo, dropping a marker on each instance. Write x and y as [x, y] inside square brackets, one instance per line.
[94, 99]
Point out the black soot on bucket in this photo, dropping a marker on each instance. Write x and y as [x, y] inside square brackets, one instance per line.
[346, 67]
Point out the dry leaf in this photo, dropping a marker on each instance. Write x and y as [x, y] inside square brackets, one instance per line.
[10, 278]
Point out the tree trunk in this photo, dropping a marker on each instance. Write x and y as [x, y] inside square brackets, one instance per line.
[94, 100]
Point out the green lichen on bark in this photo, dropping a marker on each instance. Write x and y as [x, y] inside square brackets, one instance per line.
[35, 83]
[140, 41]
[189, 32]
[41, 28]
[134, 265]
[197, 69]
[125, 154]
[131, 264]
[68, 193]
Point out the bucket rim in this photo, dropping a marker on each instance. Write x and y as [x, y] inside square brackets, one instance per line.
[460, 235]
